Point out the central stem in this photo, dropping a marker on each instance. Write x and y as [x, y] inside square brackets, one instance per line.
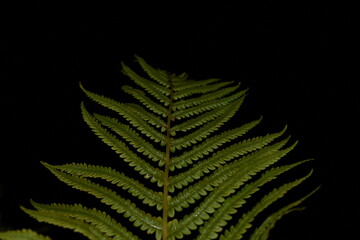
[165, 227]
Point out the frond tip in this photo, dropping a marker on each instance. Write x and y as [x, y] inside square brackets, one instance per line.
[181, 173]
[263, 231]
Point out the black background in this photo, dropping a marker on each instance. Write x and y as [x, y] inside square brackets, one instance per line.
[299, 60]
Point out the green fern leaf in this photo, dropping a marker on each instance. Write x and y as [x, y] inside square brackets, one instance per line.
[193, 84]
[237, 231]
[210, 144]
[146, 116]
[203, 131]
[193, 176]
[158, 75]
[128, 114]
[86, 229]
[200, 120]
[188, 112]
[151, 105]
[99, 220]
[132, 137]
[122, 149]
[223, 214]
[262, 232]
[221, 156]
[110, 198]
[157, 91]
[25, 234]
[133, 186]
[183, 104]
[219, 180]
[199, 90]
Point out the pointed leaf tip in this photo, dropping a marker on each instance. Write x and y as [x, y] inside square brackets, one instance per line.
[138, 58]
[44, 164]
[82, 88]
[48, 166]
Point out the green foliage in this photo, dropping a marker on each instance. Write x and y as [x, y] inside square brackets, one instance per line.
[25, 234]
[194, 175]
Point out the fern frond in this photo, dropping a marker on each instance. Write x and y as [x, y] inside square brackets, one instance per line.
[183, 104]
[132, 137]
[224, 155]
[128, 114]
[188, 112]
[139, 165]
[206, 129]
[198, 121]
[217, 200]
[157, 91]
[147, 102]
[214, 200]
[208, 116]
[155, 74]
[254, 163]
[86, 229]
[98, 219]
[193, 83]
[217, 159]
[229, 207]
[173, 139]
[237, 231]
[147, 116]
[109, 197]
[197, 90]
[133, 186]
[24, 234]
[262, 232]
[210, 144]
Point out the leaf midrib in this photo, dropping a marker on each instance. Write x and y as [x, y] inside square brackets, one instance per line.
[165, 226]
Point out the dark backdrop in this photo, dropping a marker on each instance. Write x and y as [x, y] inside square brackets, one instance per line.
[297, 58]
